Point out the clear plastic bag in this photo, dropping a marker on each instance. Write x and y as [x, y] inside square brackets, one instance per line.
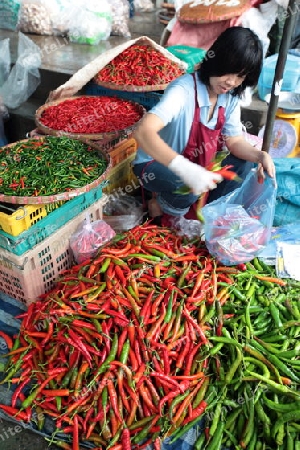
[91, 22]
[88, 238]
[61, 16]
[238, 225]
[143, 5]
[120, 18]
[24, 77]
[35, 17]
[5, 60]
[123, 212]
[188, 228]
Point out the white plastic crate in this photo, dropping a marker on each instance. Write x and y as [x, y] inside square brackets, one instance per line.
[34, 273]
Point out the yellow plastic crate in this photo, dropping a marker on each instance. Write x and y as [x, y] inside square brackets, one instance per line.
[121, 177]
[15, 221]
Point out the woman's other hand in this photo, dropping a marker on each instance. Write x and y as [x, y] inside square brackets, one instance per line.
[266, 164]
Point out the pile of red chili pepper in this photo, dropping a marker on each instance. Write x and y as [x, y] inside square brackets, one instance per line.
[152, 337]
[139, 65]
[91, 115]
[47, 166]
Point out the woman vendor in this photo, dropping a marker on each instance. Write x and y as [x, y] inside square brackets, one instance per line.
[197, 116]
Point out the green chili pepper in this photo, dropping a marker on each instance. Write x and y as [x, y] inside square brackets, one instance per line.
[169, 311]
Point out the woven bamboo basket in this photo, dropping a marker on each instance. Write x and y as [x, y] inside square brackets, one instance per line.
[196, 13]
[106, 136]
[144, 87]
[62, 196]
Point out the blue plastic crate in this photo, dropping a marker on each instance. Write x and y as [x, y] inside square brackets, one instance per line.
[146, 99]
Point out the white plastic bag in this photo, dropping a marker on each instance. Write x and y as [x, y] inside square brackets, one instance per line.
[24, 77]
[120, 18]
[123, 212]
[35, 17]
[88, 238]
[61, 15]
[143, 5]
[91, 23]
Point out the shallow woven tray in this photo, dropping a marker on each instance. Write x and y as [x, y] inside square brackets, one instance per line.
[94, 136]
[132, 88]
[212, 13]
[15, 199]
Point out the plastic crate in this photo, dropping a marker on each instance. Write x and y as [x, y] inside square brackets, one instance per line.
[290, 78]
[49, 224]
[122, 179]
[146, 99]
[14, 219]
[27, 277]
[123, 150]
[193, 56]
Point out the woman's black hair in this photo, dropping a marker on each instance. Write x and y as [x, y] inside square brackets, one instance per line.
[237, 50]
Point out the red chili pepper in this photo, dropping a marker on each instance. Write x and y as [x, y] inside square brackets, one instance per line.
[196, 412]
[18, 391]
[8, 339]
[195, 325]
[75, 445]
[169, 380]
[143, 391]
[126, 442]
[113, 399]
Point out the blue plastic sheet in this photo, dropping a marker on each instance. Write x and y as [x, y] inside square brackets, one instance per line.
[287, 209]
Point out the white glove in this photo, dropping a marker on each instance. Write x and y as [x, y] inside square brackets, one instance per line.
[196, 177]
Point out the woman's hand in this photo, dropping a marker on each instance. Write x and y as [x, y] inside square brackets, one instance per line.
[193, 175]
[265, 164]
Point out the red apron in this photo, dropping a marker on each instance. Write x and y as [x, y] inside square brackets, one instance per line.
[203, 143]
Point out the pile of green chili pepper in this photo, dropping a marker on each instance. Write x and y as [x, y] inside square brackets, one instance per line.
[152, 338]
[47, 166]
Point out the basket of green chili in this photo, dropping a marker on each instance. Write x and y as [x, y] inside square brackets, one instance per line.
[91, 117]
[50, 169]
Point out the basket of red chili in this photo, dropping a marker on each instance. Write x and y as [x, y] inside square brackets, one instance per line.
[91, 117]
[50, 169]
[139, 68]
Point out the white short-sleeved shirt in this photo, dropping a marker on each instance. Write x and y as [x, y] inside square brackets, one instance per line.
[176, 110]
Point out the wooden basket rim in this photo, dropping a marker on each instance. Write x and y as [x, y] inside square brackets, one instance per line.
[131, 88]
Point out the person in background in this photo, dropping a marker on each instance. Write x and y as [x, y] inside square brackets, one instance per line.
[197, 115]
